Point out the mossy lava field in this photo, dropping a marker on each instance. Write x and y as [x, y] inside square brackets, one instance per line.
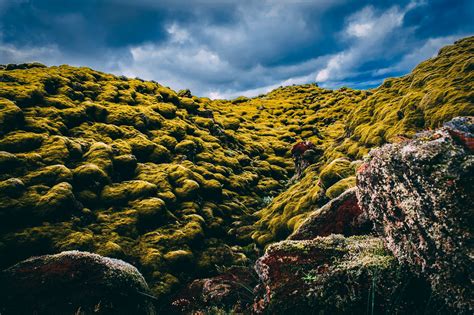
[179, 185]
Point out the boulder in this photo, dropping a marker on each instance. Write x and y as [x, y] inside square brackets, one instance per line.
[230, 291]
[420, 195]
[341, 215]
[74, 282]
[337, 275]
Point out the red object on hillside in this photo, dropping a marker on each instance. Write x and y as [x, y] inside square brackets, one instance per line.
[301, 147]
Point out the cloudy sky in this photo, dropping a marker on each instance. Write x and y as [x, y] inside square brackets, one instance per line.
[229, 48]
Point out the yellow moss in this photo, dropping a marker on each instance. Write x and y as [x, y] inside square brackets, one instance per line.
[341, 186]
[178, 256]
[128, 190]
[59, 201]
[187, 189]
[49, 175]
[335, 171]
[20, 141]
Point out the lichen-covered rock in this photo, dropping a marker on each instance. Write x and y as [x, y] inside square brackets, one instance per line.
[74, 282]
[337, 275]
[420, 195]
[339, 216]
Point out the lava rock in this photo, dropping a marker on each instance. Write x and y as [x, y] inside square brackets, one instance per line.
[341, 215]
[420, 195]
[231, 291]
[74, 282]
[338, 275]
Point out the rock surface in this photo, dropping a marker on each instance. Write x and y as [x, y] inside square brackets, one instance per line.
[420, 195]
[74, 282]
[336, 275]
[341, 215]
[231, 291]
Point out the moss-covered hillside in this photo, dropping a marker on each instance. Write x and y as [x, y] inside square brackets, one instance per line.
[177, 184]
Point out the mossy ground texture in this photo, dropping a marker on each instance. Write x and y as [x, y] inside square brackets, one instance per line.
[177, 184]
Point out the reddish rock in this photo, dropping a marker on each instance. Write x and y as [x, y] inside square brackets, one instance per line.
[341, 215]
[304, 154]
[336, 275]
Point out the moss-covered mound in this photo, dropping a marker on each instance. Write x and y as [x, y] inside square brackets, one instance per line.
[177, 184]
[128, 169]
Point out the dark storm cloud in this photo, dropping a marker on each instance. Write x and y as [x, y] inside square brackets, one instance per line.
[227, 48]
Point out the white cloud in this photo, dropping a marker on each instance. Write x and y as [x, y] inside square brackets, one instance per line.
[226, 59]
[10, 53]
[178, 34]
[366, 32]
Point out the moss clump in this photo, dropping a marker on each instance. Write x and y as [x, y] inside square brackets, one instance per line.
[49, 175]
[179, 256]
[123, 192]
[186, 147]
[166, 110]
[20, 141]
[11, 116]
[338, 188]
[335, 171]
[151, 211]
[187, 189]
[90, 176]
[58, 202]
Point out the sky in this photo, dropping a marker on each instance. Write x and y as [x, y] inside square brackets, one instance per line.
[224, 49]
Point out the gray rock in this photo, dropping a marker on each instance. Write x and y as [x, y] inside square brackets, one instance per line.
[420, 195]
[74, 282]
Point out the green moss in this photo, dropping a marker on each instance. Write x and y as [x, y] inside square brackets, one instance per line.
[187, 189]
[188, 104]
[58, 202]
[119, 193]
[90, 175]
[335, 171]
[178, 256]
[338, 188]
[159, 154]
[8, 161]
[151, 211]
[11, 116]
[49, 175]
[77, 241]
[19, 141]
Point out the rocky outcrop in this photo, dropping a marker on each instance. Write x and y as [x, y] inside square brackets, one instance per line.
[420, 195]
[74, 282]
[336, 275]
[231, 291]
[341, 215]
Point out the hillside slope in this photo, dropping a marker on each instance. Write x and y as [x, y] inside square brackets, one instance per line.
[176, 184]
